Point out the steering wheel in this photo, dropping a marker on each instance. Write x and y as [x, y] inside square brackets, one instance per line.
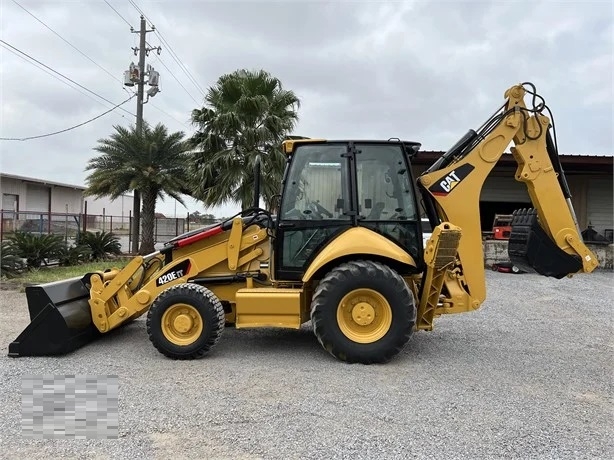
[295, 214]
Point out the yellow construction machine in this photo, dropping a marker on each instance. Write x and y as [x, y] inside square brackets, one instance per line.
[343, 249]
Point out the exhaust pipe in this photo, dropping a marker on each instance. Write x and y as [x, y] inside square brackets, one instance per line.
[60, 318]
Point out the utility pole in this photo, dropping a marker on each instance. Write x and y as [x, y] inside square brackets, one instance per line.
[140, 81]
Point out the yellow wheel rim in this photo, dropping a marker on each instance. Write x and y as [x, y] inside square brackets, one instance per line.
[182, 324]
[364, 315]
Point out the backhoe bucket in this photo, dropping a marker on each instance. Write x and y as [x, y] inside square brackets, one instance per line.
[60, 319]
[531, 249]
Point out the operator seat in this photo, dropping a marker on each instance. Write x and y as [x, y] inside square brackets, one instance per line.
[376, 211]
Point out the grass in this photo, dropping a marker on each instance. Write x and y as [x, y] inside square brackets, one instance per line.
[49, 274]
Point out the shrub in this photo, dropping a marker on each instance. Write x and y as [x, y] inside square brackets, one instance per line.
[11, 264]
[74, 255]
[101, 244]
[37, 249]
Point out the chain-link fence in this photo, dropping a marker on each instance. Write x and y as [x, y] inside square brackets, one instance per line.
[69, 225]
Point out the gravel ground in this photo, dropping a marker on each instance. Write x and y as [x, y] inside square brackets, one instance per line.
[529, 375]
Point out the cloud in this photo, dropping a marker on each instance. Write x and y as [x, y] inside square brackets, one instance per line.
[418, 70]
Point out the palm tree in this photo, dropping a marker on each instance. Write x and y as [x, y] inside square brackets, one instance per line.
[153, 162]
[247, 114]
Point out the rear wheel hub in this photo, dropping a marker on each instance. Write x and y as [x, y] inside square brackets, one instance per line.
[364, 315]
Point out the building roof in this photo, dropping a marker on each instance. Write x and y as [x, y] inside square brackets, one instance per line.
[571, 163]
[40, 181]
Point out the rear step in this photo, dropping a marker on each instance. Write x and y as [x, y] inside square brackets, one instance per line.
[532, 250]
[440, 253]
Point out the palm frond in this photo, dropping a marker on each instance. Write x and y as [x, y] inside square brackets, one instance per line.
[246, 113]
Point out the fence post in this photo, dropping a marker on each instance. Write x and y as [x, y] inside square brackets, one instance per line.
[1, 224]
[187, 222]
[85, 218]
[129, 229]
[176, 226]
[66, 225]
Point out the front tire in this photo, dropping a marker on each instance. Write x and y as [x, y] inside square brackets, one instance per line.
[363, 312]
[185, 321]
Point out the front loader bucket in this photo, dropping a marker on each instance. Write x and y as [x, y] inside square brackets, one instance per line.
[531, 249]
[60, 319]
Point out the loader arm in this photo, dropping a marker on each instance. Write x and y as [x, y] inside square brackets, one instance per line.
[545, 240]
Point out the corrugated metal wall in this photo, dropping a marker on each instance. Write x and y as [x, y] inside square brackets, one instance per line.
[37, 198]
[60, 197]
[505, 189]
[14, 187]
[600, 204]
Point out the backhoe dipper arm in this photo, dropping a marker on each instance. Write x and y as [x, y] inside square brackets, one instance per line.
[545, 240]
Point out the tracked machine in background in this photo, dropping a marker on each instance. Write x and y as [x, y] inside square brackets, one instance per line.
[344, 250]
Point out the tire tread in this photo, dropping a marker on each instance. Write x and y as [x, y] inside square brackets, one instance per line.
[341, 276]
[191, 290]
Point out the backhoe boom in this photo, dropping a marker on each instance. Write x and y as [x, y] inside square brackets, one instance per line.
[545, 240]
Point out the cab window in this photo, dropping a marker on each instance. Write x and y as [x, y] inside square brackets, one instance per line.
[384, 186]
[313, 188]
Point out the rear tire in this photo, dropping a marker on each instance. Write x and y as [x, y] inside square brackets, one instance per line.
[363, 312]
[185, 321]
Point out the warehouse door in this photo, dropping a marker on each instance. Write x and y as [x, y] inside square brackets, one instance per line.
[37, 198]
[10, 208]
[600, 205]
[501, 195]
[10, 202]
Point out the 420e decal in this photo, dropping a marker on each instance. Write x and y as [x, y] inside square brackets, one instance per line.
[178, 271]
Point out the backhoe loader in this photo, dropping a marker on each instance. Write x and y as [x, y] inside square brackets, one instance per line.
[343, 250]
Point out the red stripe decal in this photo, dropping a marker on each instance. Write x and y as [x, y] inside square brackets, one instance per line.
[199, 236]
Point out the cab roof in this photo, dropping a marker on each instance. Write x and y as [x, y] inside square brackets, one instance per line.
[289, 145]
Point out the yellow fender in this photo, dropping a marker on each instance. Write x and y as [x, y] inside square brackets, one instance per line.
[358, 240]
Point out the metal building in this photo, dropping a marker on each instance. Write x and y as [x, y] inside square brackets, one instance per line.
[589, 177]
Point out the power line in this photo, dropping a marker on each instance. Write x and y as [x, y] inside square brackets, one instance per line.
[73, 46]
[139, 10]
[168, 114]
[180, 84]
[67, 42]
[63, 76]
[156, 57]
[178, 61]
[171, 51]
[57, 78]
[67, 129]
[50, 74]
[117, 12]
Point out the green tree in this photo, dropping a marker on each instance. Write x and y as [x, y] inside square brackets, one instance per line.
[246, 114]
[153, 162]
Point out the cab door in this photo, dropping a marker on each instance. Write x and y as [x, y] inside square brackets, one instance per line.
[315, 206]
[386, 201]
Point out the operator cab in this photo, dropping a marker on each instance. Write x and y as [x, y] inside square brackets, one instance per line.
[331, 186]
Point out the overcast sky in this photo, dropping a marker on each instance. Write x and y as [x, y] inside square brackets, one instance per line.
[418, 70]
